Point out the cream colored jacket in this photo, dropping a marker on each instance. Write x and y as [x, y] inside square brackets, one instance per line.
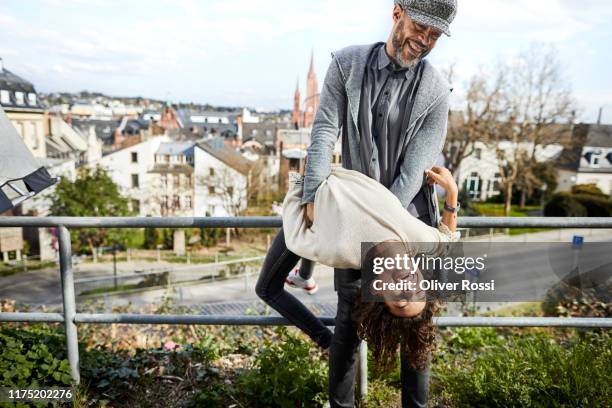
[351, 208]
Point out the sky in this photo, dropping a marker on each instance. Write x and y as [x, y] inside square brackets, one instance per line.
[252, 52]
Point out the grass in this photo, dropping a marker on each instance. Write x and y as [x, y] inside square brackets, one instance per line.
[118, 288]
[7, 270]
[497, 210]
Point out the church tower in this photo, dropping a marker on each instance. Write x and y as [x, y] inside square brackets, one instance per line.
[296, 119]
[312, 95]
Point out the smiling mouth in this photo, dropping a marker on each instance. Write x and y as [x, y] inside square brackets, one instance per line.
[414, 49]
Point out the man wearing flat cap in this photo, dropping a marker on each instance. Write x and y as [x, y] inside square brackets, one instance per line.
[390, 106]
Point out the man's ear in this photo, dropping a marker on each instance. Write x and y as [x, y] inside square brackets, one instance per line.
[397, 13]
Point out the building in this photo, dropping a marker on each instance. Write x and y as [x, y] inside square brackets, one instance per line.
[296, 116]
[588, 160]
[311, 103]
[479, 173]
[165, 177]
[23, 108]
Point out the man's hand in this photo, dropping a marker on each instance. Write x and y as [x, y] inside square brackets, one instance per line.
[309, 214]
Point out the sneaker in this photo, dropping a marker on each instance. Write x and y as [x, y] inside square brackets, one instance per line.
[296, 281]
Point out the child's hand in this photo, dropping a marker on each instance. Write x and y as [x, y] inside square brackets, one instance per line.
[443, 177]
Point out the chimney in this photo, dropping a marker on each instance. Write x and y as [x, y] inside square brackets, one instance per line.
[599, 115]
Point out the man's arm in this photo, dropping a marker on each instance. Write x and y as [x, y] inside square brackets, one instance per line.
[421, 153]
[325, 131]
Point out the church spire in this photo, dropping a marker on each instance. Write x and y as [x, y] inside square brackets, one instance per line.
[311, 69]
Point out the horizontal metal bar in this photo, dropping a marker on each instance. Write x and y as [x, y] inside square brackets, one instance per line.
[142, 222]
[329, 321]
[189, 319]
[276, 222]
[31, 317]
[444, 321]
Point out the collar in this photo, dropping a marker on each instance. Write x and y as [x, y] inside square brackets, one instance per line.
[384, 61]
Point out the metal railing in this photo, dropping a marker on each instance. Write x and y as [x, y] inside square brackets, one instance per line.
[70, 318]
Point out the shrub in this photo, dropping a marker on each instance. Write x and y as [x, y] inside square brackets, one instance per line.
[564, 205]
[590, 189]
[286, 374]
[596, 206]
[534, 371]
[33, 358]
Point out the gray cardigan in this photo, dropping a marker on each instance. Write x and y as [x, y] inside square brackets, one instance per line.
[338, 113]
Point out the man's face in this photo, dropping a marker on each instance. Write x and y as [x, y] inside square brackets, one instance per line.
[411, 41]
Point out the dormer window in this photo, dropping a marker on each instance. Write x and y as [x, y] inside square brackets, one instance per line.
[5, 97]
[19, 98]
[32, 99]
[595, 158]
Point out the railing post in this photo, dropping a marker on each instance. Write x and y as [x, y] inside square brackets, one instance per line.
[68, 298]
[363, 369]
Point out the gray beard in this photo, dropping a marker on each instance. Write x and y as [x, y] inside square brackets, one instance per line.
[402, 63]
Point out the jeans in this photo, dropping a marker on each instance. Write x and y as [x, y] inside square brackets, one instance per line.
[271, 289]
[306, 268]
[344, 352]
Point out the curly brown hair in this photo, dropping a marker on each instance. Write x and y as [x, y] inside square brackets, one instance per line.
[385, 333]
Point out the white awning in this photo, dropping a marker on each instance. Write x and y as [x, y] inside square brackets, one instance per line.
[21, 176]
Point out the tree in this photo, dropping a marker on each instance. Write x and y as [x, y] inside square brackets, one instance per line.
[537, 110]
[93, 194]
[226, 184]
[474, 122]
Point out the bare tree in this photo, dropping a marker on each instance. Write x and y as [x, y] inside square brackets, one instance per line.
[537, 110]
[475, 121]
[226, 184]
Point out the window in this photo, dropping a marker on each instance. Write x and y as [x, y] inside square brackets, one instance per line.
[177, 180]
[134, 157]
[176, 202]
[5, 97]
[188, 202]
[189, 182]
[230, 191]
[211, 171]
[136, 206]
[19, 98]
[32, 99]
[135, 181]
[478, 153]
[190, 159]
[167, 158]
[595, 158]
[211, 189]
[164, 180]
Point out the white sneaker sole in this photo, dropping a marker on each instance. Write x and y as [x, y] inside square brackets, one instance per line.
[310, 290]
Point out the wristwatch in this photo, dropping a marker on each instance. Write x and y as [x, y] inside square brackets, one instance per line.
[452, 209]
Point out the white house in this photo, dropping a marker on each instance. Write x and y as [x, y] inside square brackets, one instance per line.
[479, 173]
[589, 160]
[163, 177]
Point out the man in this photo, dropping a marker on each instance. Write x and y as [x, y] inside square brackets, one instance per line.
[391, 107]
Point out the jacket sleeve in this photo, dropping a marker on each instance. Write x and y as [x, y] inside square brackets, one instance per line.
[421, 153]
[325, 130]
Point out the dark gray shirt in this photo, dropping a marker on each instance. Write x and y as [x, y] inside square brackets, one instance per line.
[386, 96]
